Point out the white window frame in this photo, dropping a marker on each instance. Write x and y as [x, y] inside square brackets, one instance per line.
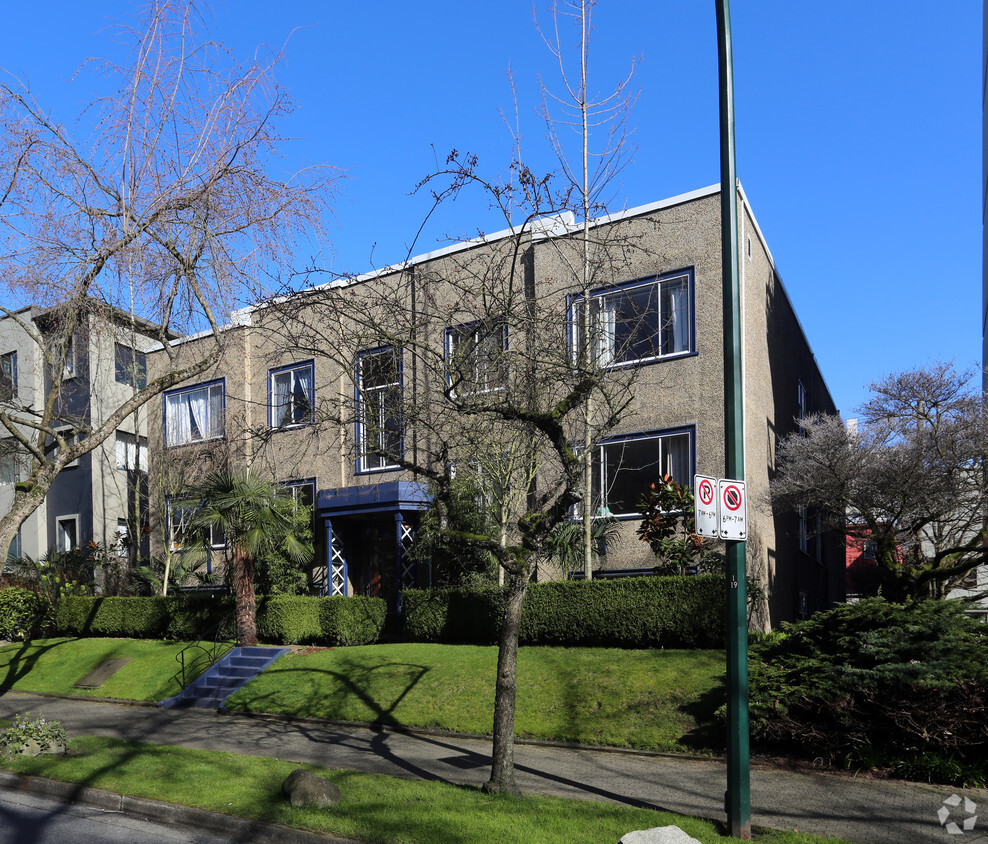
[8, 372]
[187, 509]
[16, 546]
[131, 451]
[70, 440]
[603, 461]
[123, 371]
[61, 535]
[676, 317]
[69, 369]
[212, 425]
[10, 467]
[295, 487]
[122, 537]
[372, 457]
[487, 368]
[297, 373]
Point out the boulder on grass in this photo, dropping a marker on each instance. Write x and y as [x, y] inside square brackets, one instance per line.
[659, 835]
[307, 791]
[33, 747]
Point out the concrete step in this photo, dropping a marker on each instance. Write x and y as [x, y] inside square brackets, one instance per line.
[211, 689]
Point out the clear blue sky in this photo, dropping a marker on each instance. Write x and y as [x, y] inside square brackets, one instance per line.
[858, 131]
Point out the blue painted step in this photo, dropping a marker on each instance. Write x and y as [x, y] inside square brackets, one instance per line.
[211, 689]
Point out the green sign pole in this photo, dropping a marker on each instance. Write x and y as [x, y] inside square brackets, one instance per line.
[738, 798]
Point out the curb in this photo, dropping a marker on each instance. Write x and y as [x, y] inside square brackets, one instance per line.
[241, 829]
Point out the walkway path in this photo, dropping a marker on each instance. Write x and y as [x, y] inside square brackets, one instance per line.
[860, 810]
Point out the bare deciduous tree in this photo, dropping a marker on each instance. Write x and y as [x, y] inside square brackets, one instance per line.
[586, 114]
[909, 476]
[150, 216]
[470, 361]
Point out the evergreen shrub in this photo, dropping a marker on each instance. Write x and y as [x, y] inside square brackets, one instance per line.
[634, 612]
[876, 683]
[21, 613]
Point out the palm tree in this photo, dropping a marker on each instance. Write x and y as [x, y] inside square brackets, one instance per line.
[255, 516]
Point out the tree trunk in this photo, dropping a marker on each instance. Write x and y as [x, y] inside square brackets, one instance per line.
[502, 779]
[243, 587]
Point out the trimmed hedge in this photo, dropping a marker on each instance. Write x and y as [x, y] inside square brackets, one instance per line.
[175, 617]
[21, 613]
[283, 619]
[634, 612]
[290, 619]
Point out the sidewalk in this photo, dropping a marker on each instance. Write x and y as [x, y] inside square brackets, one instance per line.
[860, 810]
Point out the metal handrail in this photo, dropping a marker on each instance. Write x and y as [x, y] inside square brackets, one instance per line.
[211, 649]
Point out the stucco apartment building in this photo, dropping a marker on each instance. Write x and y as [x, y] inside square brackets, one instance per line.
[277, 397]
[94, 499]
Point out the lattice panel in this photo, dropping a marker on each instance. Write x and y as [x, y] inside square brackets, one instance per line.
[338, 566]
[405, 542]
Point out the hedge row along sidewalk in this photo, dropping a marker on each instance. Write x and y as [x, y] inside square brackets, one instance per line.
[634, 612]
[641, 612]
[282, 619]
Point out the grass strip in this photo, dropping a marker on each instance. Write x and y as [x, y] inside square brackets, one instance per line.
[659, 700]
[56, 665]
[374, 808]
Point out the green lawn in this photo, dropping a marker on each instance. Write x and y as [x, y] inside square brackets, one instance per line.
[374, 808]
[56, 665]
[648, 699]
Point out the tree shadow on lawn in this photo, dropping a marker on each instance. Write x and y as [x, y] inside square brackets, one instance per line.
[709, 732]
[355, 681]
[22, 657]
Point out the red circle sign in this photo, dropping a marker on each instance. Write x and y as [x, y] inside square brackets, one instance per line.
[732, 498]
[706, 492]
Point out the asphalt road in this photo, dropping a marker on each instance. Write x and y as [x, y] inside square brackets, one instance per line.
[33, 819]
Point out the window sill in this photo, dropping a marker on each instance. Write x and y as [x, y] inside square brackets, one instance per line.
[194, 442]
[293, 427]
[362, 471]
[650, 361]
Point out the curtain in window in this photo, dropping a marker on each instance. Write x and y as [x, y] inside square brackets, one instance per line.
[195, 403]
[302, 402]
[675, 313]
[677, 458]
[606, 330]
[215, 424]
[177, 421]
[124, 450]
[280, 384]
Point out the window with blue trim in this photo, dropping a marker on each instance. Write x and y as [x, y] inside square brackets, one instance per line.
[379, 399]
[476, 357]
[292, 395]
[194, 414]
[181, 512]
[635, 323]
[624, 467]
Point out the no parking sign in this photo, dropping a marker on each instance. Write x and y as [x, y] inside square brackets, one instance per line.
[720, 507]
[705, 506]
[733, 509]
